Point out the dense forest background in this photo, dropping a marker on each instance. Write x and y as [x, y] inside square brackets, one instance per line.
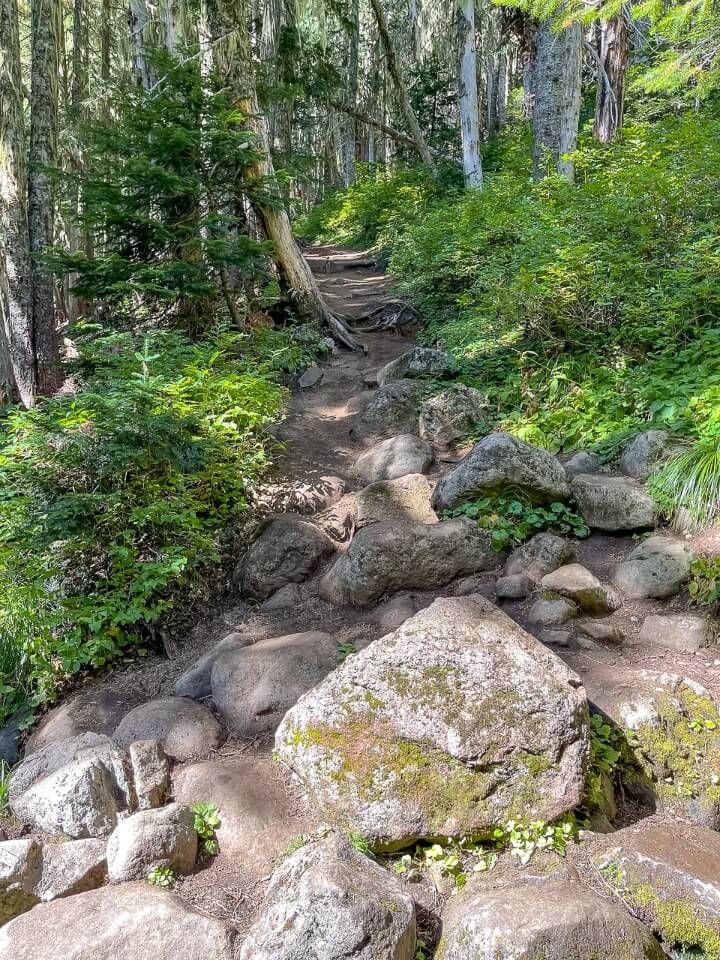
[542, 178]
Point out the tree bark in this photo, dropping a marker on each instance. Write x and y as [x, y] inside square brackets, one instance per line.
[15, 290]
[556, 107]
[349, 131]
[45, 32]
[468, 94]
[228, 44]
[528, 53]
[613, 51]
[139, 26]
[400, 89]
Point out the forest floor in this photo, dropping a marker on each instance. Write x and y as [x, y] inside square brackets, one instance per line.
[319, 440]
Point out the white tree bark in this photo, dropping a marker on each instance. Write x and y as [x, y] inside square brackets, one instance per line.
[468, 94]
[613, 52]
[139, 23]
[557, 89]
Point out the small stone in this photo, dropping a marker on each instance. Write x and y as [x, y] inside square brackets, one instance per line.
[393, 458]
[601, 630]
[195, 682]
[515, 587]
[185, 729]
[393, 613]
[550, 613]
[679, 631]
[150, 839]
[556, 638]
[287, 596]
[151, 773]
[581, 461]
[418, 362]
[542, 554]
[613, 503]
[310, 378]
[578, 584]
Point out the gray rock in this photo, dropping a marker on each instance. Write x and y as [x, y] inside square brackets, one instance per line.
[151, 773]
[287, 596]
[500, 461]
[405, 500]
[418, 362]
[453, 414]
[97, 710]
[302, 497]
[78, 787]
[394, 409]
[10, 736]
[339, 521]
[329, 902]
[20, 869]
[556, 638]
[259, 817]
[549, 917]
[388, 557]
[645, 452]
[185, 729]
[515, 587]
[578, 584]
[677, 631]
[150, 839]
[547, 612]
[613, 503]
[253, 688]
[657, 567]
[457, 721]
[71, 868]
[604, 631]
[655, 864]
[195, 682]
[581, 461]
[542, 554]
[393, 613]
[129, 922]
[310, 378]
[287, 550]
[393, 458]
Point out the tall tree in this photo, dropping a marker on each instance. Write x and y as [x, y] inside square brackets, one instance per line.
[468, 93]
[140, 26]
[612, 56]
[557, 91]
[399, 85]
[349, 131]
[15, 291]
[45, 33]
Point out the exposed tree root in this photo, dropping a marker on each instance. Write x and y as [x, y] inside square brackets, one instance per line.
[390, 315]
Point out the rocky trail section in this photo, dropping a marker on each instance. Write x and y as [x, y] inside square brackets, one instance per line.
[377, 677]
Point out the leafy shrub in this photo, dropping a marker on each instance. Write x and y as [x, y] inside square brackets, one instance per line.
[117, 499]
[513, 519]
[162, 877]
[704, 585]
[207, 820]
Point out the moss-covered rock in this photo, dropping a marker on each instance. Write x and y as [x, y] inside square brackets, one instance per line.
[457, 721]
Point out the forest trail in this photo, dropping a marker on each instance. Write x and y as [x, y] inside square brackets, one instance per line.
[261, 809]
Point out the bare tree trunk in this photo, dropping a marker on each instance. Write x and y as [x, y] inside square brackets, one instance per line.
[105, 41]
[613, 51]
[528, 55]
[468, 93]
[556, 110]
[139, 26]
[232, 63]
[400, 89]
[18, 367]
[45, 32]
[501, 89]
[349, 131]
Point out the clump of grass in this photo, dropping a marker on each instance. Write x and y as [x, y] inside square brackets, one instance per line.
[688, 486]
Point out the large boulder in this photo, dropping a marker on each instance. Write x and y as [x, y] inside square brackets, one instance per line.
[20, 867]
[646, 452]
[129, 922]
[657, 567]
[405, 500]
[150, 839]
[613, 503]
[393, 458]
[195, 681]
[668, 874]
[185, 729]
[78, 787]
[259, 817]
[287, 550]
[580, 461]
[150, 773]
[329, 902]
[542, 554]
[500, 461]
[254, 687]
[452, 414]
[677, 631]
[71, 868]
[418, 362]
[551, 917]
[388, 557]
[457, 721]
[393, 409]
[577, 583]
[303, 497]
[97, 710]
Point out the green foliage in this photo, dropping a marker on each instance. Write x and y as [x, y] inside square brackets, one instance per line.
[513, 519]
[162, 877]
[360, 843]
[5, 773]
[120, 498]
[704, 585]
[206, 822]
[605, 752]
[345, 650]
[524, 840]
[688, 487]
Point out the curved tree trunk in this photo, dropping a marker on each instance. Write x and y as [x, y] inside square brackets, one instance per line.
[556, 107]
[468, 94]
[613, 50]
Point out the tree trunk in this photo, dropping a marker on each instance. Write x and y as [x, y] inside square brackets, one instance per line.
[468, 94]
[556, 108]
[349, 132]
[528, 53]
[400, 89]
[45, 32]
[501, 89]
[613, 50]
[15, 291]
[105, 41]
[139, 26]
[233, 66]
